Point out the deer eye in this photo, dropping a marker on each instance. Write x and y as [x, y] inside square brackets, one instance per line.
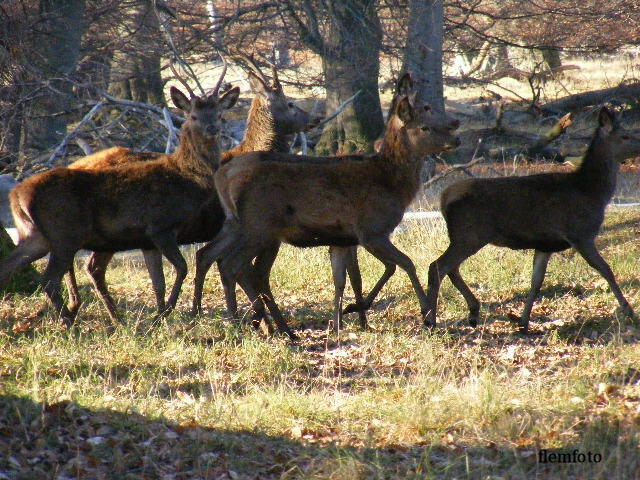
[625, 137]
[425, 128]
[290, 104]
[193, 117]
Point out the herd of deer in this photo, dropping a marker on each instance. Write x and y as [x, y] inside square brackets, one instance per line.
[247, 201]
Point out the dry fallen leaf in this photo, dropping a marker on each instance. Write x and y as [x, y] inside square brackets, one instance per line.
[21, 327]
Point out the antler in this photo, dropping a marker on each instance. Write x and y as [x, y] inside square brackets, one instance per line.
[181, 80]
[215, 90]
[253, 66]
[274, 73]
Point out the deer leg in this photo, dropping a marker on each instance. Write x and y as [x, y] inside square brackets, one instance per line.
[262, 269]
[73, 305]
[259, 276]
[339, 261]
[169, 248]
[389, 270]
[472, 302]
[228, 238]
[229, 287]
[540, 262]
[590, 253]
[353, 269]
[386, 252]
[96, 268]
[58, 265]
[153, 261]
[27, 251]
[448, 262]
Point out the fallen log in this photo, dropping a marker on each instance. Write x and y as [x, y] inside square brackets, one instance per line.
[529, 145]
[595, 97]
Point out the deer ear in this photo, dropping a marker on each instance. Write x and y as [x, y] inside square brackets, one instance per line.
[258, 86]
[404, 110]
[405, 85]
[607, 119]
[230, 98]
[180, 100]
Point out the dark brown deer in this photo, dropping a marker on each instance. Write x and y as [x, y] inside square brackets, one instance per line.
[271, 121]
[549, 212]
[345, 259]
[271, 198]
[138, 205]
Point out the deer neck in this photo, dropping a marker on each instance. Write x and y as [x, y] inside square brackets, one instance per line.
[597, 175]
[262, 134]
[402, 167]
[197, 157]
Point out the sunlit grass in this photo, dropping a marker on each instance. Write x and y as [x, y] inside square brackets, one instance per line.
[210, 396]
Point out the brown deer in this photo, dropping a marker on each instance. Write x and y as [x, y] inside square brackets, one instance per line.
[271, 121]
[549, 212]
[139, 205]
[345, 259]
[271, 198]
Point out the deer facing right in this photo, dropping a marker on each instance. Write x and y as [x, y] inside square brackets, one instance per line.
[343, 201]
[548, 213]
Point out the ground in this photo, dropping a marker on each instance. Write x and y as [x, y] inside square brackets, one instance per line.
[206, 398]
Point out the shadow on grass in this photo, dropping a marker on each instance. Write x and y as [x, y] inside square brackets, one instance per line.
[66, 440]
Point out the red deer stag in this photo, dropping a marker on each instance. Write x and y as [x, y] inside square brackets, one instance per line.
[140, 205]
[271, 122]
[271, 198]
[549, 212]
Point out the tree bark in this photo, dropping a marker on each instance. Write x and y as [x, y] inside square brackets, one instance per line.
[349, 49]
[135, 67]
[551, 58]
[423, 52]
[59, 48]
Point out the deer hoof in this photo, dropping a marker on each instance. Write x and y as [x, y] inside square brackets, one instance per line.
[473, 322]
[355, 307]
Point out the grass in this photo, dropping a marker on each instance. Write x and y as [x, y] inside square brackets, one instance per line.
[207, 398]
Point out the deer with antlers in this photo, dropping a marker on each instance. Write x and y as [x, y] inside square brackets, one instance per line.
[138, 205]
[271, 122]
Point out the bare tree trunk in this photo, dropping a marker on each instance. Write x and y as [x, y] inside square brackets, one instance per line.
[58, 53]
[423, 52]
[551, 57]
[351, 64]
[135, 67]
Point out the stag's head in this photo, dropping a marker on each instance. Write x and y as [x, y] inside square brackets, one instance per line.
[204, 113]
[288, 118]
[621, 143]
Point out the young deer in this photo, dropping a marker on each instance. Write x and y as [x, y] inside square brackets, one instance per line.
[549, 213]
[269, 198]
[138, 205]
[345, 259]
[271, 122]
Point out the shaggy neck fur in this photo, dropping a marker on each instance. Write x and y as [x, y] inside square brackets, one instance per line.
[403, 169]
[197, 156]
[261, 134]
